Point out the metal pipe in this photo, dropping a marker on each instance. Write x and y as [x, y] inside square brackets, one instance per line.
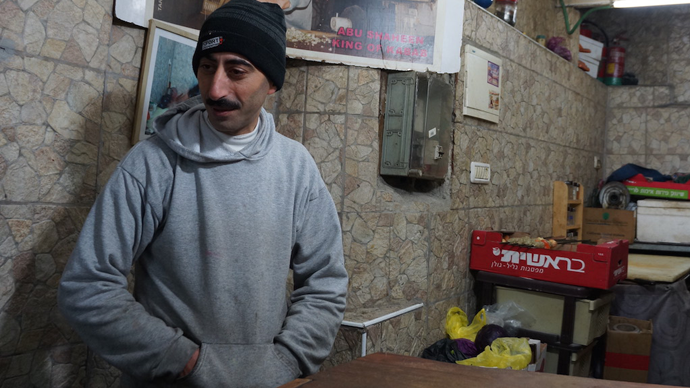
[364, 325]
[364, 343]
[393, 314]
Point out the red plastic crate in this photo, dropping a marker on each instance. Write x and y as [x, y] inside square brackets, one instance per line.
[595, 266]
[638, 185]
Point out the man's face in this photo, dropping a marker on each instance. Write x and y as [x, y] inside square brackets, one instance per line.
[233, 91]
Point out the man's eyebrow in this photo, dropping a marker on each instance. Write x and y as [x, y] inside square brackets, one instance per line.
[232, 61]
[238, 61]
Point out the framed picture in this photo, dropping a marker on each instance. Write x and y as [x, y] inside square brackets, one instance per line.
[167, 77]
[420, 35]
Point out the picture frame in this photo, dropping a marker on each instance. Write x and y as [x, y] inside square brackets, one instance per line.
[421, 35]
[166, 77]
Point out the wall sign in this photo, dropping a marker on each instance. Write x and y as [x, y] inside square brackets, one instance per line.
[389, 34]
[483, 73]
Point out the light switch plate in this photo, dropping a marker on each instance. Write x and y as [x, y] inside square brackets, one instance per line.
[480, 173]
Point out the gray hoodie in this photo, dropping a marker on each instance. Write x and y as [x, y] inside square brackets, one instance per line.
[212, 236]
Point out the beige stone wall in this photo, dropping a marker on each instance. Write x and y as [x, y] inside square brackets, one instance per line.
[542, 17]
[551, 127]
[68, 80]
[649, 124]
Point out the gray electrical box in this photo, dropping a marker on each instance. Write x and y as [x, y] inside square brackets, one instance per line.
[417, 125]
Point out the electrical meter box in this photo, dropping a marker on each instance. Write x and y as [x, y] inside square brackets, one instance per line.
[417, 125]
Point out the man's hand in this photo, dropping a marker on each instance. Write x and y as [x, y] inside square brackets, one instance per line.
[190, 364]
[284, 4]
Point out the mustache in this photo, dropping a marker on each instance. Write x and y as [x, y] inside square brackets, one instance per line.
[223, 103]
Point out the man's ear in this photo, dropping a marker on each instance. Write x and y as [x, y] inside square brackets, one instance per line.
[272, 88]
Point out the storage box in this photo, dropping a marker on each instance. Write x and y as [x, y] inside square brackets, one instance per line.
[580, 362]
[595, 46]
[538, 361]
[591, 316]
[593, 66]
[595, 266]
[628, 346]
[663, 221]
[611, 224]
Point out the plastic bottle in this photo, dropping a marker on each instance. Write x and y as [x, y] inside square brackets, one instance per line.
[575, 190]
[506, 10]
[571, 216]
[484, 3]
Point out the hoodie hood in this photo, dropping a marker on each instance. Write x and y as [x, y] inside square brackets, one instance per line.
[181, 129]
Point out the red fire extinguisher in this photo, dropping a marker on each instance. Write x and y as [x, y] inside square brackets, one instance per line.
[615, 64]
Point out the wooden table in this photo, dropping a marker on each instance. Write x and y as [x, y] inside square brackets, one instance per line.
[657, 268]
[381, 370]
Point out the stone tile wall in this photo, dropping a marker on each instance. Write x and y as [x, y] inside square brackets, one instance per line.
[543, 17]
[406, 246]
[646, 130]
[648, 124]
[68, 81]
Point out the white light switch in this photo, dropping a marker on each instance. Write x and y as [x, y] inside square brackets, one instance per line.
[480, 173]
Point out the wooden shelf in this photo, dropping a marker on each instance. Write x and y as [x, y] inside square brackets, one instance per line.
[563, 198]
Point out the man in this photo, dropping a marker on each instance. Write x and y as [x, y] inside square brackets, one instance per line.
[213, 211]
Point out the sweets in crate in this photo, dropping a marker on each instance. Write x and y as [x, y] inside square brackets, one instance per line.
[595, 266]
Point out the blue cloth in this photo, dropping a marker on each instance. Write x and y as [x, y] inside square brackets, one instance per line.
[630, 170]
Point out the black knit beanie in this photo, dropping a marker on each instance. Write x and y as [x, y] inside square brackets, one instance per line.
[251, 28]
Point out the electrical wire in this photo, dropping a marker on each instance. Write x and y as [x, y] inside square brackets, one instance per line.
[583, 17]
[606, 36]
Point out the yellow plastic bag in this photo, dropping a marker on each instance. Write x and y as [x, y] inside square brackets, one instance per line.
[456, 324]
[507, 352]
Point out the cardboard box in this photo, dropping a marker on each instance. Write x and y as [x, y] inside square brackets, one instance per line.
[628, 346]
[595, 46]
[609, 224]
[663, 221]
[538, 356]
[596, 266]
[580, 362]
[593, 66]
